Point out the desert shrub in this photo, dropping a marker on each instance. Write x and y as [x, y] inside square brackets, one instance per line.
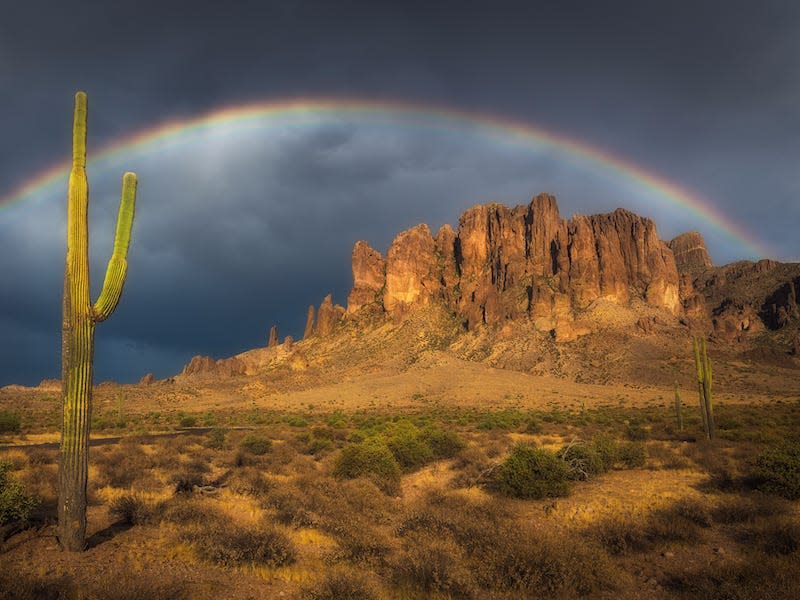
[296, 421]
[16, 503]
[318, 446]
[470, 465]
[223, 543]
[504, 419]
[777, 536]
[188, 421]
[693, 510]
[766, 577]
[407, 446]
[531, 472]
[433, 565]
[680, 522]
[40, 456]
[743, 509]
[531, 563]
[249, 481]
[777, 470]
[583, 460]
[344, 585]
[443, 443]
[9, 422]
[131, 509]
[371, 458]
[636, 433]
[21, 586]
[120, 467]
[255, 444]
[186, 481]
[290, 507]
[216, 438]
[187, 511]
[357, 539]
[632, 454]
[621, 535]
[606, 448]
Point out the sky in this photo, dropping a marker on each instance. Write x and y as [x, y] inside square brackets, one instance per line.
[242, 224]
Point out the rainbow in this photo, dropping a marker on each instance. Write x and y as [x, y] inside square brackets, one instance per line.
[169, 133]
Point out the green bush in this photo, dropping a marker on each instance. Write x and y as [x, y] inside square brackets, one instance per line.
[531, 472]
[188, 421]
[255, 444]
[296, 421]
[777, 470]
[606, 449]
[9, 422]
[443, 444]
[407, 446]
[216, 438]
[15, 503]
[371, 458]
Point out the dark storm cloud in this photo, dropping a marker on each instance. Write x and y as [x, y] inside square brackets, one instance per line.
[235, 234]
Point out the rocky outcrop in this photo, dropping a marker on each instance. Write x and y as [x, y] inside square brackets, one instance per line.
[205, 365]
[309, 328]
[369, 275]
[690, 252]
[412, 272]
[507, 263]
[148, 379]
[328, 315]
[273, 337]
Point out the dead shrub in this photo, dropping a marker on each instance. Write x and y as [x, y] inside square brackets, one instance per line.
[742, 509]
[224, 543]
[249, 481]
[530, 562]
[132, 509]
[766, 577]
[342, 585]
[433, 565]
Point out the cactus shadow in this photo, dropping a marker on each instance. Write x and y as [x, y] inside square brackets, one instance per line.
[107, 534]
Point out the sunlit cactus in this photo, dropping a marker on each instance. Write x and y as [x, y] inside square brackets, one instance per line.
[77, 340]
[704, 384]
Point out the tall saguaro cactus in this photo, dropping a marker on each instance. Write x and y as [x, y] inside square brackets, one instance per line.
[704, 381]
[77, 336]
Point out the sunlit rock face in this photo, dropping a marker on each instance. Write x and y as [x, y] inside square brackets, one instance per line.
[369, 275]
[690, 251]
[523, 262]
[413, 274]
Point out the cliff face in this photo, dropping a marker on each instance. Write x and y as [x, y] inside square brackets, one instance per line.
[690, 252]
[507, 263]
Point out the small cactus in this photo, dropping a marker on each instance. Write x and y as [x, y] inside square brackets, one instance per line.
[678, 414]
[704, 384]
[77, 337]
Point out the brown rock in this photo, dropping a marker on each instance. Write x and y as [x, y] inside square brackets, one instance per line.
[273, 337]
[148, 379]
[369, 275]
[690, 252]
[309, 329]
[200, 365]
[412, 277]
[288, 342]
[448, 269]
[794, 349]
[229, 367]
[328, 316]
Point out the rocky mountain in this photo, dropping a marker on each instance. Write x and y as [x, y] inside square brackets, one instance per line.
[525, 271]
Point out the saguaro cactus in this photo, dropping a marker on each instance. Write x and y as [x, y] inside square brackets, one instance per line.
[77, 337]
[704, 382]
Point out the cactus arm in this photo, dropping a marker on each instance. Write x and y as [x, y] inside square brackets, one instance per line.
[118, 263]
